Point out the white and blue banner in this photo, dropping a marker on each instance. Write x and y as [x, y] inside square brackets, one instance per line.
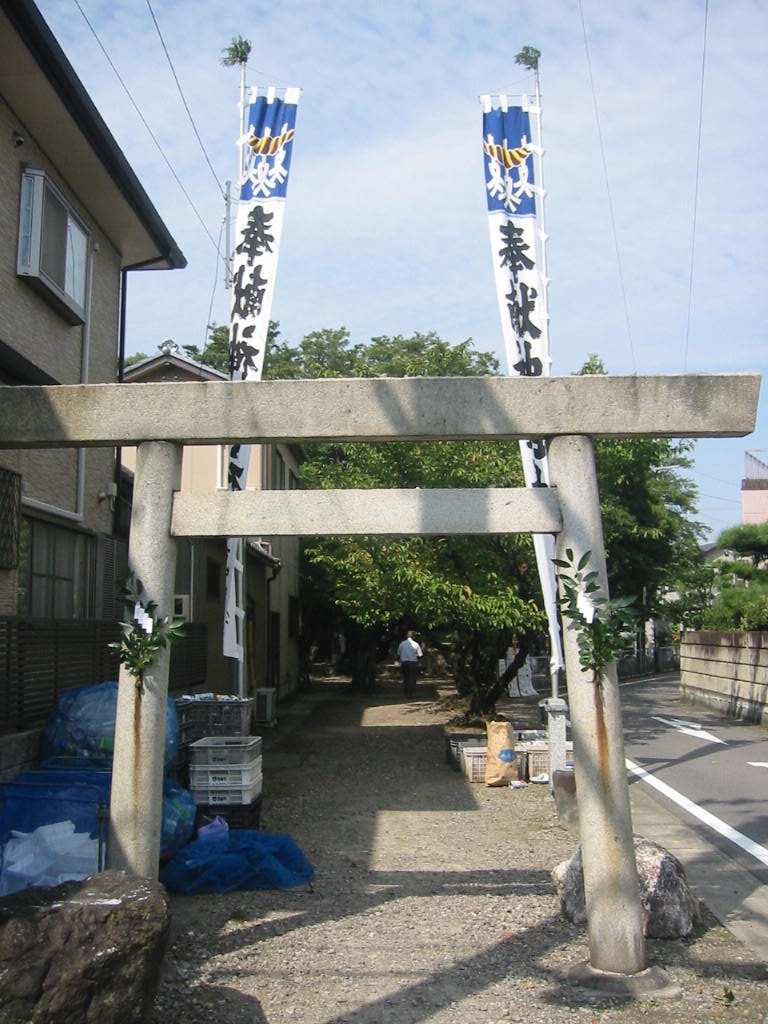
[266, 147]
[517, 246]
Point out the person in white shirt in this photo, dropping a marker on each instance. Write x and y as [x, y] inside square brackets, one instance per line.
[408, 654]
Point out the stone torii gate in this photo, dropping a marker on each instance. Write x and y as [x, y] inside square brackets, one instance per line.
[568, 411]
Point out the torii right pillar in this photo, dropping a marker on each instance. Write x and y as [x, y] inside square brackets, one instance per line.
[614, 916]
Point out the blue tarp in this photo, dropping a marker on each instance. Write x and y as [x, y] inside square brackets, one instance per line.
[238, 859]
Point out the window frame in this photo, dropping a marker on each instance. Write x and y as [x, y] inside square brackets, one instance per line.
[57, 574]
[41, 205]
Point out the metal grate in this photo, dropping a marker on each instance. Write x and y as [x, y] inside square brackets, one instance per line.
[10, 518]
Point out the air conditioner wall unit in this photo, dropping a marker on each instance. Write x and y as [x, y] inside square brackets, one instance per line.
[264, 712]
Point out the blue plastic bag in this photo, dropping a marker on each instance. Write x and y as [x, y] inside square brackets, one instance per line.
[237, 859]
[83, 725]
[178, 824]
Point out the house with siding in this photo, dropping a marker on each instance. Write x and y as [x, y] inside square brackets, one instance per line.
[75, 222]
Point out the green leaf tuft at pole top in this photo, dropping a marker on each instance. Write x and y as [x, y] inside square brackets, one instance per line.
[238, 52]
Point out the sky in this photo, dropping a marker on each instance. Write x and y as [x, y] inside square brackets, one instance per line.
[656, 146]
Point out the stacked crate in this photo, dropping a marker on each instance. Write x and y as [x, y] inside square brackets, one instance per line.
[211, 714]
[534, 757]
[224, 723]
[225, 779]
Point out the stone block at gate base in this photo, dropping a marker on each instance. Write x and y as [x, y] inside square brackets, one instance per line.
[670, 909]
[82, 953]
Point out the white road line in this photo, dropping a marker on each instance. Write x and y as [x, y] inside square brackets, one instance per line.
[716, 824]
[758, 764]
[681, 727]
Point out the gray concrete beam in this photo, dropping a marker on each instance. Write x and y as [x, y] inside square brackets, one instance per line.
[389, 409]
[371, 512]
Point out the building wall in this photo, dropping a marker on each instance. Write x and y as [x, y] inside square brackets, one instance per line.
[754, 504]
[61, 486]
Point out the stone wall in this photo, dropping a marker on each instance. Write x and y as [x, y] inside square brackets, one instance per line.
[727, 671]
[19, 752]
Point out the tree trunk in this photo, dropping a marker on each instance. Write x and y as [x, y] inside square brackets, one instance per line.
[364, 659]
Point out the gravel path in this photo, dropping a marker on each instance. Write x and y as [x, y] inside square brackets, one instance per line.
[432, 900]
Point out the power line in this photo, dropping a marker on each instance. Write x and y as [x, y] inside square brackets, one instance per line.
[144, 122]
[183, 98]
[608, 191]
[206, 342]
[696, 187]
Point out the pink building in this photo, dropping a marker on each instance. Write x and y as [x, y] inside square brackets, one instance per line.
[754, 487]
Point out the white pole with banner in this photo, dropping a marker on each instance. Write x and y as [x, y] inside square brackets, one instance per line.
[268, 127]
[512, 158]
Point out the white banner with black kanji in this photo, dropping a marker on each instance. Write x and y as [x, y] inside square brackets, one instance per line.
[266, 147]
[517, 250]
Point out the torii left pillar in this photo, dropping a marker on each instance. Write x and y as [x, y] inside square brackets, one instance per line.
[135, 816]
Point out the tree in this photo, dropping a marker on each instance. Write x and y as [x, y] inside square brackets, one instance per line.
[216, 351]
[741, 583]
[646, 504]
[137, 357]
[478, 591]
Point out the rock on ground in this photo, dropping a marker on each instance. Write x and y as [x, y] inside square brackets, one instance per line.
[84, 952]
[670, 909]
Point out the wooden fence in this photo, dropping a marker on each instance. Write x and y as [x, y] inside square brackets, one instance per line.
[42, 658]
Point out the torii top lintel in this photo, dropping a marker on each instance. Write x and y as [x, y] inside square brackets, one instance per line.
[382, 409]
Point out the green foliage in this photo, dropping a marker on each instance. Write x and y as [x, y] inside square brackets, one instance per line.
[728, 997]
[137, 357]
[647, 504]
[144, 635]
[528, 57]
[749, 539]
[330, 353]
[216, 351]
[478, 587]
[603, 625]
[692, 583]
[738, 608]
[740, 584]
[238, 52]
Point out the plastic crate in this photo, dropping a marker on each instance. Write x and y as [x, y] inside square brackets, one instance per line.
[216, 775]
[474, 759]
[228, 750]
[213, 716]
[537, 759]
[232, 794]
[237, 816]
[453, 746]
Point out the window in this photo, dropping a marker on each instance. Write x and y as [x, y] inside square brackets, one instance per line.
[53, 246]
[55, 571]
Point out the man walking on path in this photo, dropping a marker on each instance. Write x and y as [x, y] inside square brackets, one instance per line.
[408, 654]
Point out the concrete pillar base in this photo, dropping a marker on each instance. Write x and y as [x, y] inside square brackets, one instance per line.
[651, 982]
[564, 791]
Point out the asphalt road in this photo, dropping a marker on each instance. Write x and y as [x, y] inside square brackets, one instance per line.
[708, 771]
